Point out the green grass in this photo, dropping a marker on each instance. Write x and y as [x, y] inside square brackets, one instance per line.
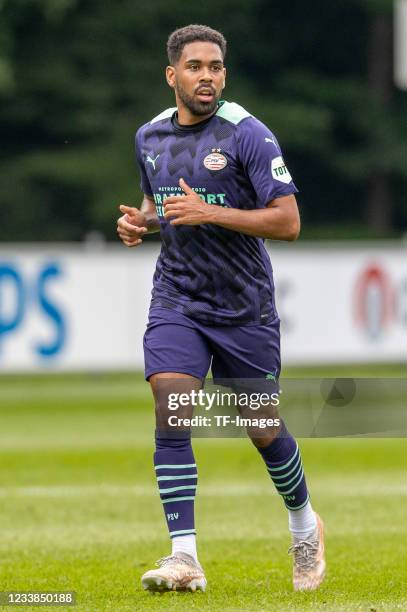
[79, 509]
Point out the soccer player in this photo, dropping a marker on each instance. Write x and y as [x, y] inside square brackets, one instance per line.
[215, 185]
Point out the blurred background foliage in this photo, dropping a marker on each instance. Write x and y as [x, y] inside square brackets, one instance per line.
[77, 78]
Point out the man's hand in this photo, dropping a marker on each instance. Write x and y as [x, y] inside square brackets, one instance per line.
[131, 227]
[187, 209]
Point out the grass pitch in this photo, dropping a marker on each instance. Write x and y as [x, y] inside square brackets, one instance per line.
[79, 508]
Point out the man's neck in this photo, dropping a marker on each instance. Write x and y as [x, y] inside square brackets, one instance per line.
[185, 117]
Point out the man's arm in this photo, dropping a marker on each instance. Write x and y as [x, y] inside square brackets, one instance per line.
[150, 214]
[280, 220]
[135, 222]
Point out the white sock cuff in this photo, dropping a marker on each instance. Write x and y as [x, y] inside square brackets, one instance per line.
[185, 544]
[302, 523]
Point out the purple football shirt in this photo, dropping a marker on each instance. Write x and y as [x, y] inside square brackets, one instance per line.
[215, 275]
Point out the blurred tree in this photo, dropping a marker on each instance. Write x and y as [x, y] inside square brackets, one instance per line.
[77, 77]
[380, 75]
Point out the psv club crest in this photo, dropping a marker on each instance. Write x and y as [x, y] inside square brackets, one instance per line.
[215, 160]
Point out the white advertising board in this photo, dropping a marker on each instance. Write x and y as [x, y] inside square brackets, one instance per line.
[65, 308]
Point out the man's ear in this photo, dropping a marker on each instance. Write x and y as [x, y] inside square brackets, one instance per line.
[170, 76]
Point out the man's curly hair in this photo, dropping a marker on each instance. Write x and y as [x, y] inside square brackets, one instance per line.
[192, 33]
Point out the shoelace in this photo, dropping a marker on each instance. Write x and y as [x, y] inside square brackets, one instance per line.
[164, 560]
[304, 553]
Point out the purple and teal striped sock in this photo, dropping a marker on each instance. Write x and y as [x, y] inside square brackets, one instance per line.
[283, 461]
[177, 479]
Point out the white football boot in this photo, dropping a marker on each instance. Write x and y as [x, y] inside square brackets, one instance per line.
[178, 572]
[309, 560]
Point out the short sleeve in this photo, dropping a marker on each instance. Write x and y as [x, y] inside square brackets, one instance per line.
[144, 182]
[263, 162]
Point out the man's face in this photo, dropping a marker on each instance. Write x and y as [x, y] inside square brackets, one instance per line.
[199, 77]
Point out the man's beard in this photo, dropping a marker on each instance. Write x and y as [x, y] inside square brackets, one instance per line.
[196, 107]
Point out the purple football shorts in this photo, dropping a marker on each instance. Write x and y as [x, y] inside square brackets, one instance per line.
[174, 342]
